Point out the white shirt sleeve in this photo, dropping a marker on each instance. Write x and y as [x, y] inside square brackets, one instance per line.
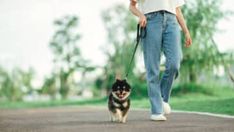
[179, 3]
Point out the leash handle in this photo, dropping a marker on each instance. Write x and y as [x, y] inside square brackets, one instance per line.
[141, 33]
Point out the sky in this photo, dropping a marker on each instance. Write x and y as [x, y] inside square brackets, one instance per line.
[26, 28]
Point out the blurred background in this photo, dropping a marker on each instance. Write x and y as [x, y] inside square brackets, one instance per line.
[67, 52]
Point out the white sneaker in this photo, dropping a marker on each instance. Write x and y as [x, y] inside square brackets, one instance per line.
[160, 117]
[166, 108]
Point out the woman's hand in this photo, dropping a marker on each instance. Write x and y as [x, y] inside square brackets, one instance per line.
[188, 40]
[180, 18]
[142, 20]
[133, 1]
[135, 11]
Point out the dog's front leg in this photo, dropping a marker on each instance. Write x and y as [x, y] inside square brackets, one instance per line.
[118, 115]
[124, 119]
[112, 117]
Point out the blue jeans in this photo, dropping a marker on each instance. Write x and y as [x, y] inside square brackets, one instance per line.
[163, 35]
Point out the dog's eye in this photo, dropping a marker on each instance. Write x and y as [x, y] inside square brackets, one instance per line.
[124, 87]
[118, 87]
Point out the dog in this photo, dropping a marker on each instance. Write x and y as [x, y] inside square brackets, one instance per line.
[118, 101]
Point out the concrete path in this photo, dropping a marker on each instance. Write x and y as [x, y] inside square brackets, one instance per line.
[91, 119]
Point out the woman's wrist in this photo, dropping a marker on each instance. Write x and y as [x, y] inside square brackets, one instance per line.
[186, 32]
[141, 15]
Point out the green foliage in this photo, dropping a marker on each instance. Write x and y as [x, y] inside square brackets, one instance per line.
[49, 86]
[139, 88]
[15, 84]
[67, 56]
[64, 43]
[182, 89]
[202, 17]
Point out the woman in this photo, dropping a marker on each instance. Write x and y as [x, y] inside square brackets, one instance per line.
[161, 18]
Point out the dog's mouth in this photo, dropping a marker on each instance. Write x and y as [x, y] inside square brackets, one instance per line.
[122, 96]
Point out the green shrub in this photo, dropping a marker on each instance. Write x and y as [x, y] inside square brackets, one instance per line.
[182, 89]
[139, 88]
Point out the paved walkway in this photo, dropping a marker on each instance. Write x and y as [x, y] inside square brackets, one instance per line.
[75, 119]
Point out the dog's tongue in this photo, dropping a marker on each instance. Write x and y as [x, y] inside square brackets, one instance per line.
[121, 96]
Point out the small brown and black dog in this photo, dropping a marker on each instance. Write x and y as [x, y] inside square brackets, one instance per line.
[119, 102]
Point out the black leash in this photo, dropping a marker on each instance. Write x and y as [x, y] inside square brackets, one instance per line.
[141, 33]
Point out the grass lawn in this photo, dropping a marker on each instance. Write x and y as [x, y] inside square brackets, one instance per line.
[219, 101]
[198, 103]
[213, 99]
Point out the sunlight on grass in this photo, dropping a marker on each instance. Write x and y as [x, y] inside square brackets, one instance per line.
[219, 101]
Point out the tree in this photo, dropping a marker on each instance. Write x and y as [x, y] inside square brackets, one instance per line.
[49, 86]
[202, 18]
[67, 55]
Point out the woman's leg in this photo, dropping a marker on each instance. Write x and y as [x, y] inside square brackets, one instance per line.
[151, 49]
[172, 50]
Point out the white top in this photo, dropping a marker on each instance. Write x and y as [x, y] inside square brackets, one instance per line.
[147, 6]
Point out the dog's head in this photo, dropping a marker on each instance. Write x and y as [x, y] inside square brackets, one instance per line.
[121, 89]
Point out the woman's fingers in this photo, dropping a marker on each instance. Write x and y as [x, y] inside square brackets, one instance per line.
[188, 42]
[143, 24]
[142, 21]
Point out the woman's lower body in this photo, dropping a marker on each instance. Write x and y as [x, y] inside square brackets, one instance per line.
[163, 35]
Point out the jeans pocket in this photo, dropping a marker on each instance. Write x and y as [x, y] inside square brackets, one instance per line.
[174, 20]
[150, 16]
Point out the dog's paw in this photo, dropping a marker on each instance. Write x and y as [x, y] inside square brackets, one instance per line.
[113, 119]
[123, 121]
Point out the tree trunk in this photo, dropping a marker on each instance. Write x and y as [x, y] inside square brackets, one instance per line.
[192, 77]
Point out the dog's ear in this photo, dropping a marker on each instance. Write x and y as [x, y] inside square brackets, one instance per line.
[126, 83]
[118, 80]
